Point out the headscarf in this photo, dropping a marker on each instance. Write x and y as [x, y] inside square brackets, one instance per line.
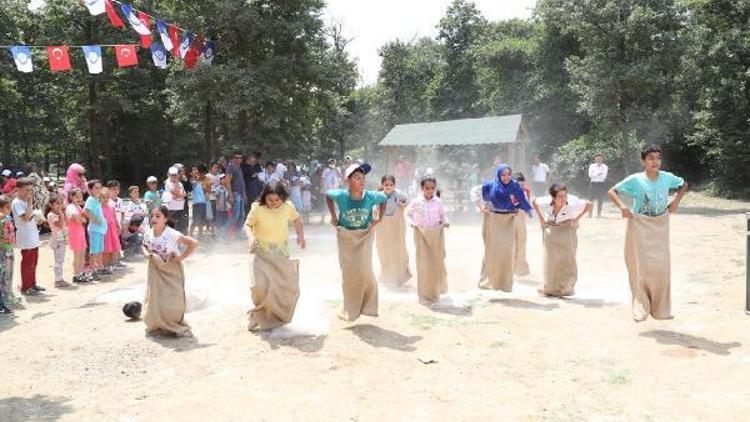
[72, 180]
[499, 193]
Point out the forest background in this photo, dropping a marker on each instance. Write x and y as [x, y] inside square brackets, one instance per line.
[588, 76]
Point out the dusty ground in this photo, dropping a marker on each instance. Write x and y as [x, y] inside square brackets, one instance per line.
[71, 356]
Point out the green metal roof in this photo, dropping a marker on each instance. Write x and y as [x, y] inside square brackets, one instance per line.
[485, 130]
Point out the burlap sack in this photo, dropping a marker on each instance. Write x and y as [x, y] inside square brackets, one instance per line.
[648, 263]
[357, 278]
[275, 290]
[498, 232]
[390, 241]
[165, 298]
[560, 267]
[521, 265]
[432, 277]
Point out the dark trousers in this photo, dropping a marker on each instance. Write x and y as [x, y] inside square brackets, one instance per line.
[29, 259]
[597, 190]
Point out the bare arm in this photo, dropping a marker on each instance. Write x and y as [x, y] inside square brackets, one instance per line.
[615, 197]
[678, 197]
[542, 220]
[381, 213]
[300, 233]
[332, 211]
[191, 244]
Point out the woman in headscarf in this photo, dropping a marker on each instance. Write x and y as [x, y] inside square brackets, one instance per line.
[503, 198]
[75, 178]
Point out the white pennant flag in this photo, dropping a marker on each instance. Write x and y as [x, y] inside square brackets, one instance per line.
[133, 20]
[93, 54]
[22, 57]
[96, 7]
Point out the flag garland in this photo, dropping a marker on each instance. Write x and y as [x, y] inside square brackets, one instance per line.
[190, 48]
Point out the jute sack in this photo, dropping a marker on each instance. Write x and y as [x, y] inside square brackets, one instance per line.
[521, 265]
[498, 232]
[165, 298]
[432, 277]
[560, 267]
[275, 290]
[357, 278]
[648, 263]
[390, 241]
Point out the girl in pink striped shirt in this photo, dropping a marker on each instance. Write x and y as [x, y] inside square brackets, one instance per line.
[427, 215]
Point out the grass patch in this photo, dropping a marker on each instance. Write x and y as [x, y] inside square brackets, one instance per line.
[617, 377]
[426, 322]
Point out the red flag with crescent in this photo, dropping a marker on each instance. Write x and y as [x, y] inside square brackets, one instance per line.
[174, 35]
[59, 60]
[126, 55]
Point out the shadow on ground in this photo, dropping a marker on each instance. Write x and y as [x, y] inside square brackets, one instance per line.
[525, 304]
[673, 338]
[305, 344]
[380, 337]
[37, 408]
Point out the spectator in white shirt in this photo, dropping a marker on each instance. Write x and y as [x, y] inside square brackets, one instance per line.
[539, 173]
[270, 174]
[597, 188]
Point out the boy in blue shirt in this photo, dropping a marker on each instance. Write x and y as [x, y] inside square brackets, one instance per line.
[354, 225]
[647, 236]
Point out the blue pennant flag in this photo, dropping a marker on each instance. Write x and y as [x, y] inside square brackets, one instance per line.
[208, 52]
[159, 54]
[93, 55]
[22, 57]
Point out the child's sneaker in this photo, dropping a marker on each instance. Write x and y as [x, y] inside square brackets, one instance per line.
[92, 276]
[4, 310]
[103, 271]
[38, 288]
[119, 265]
[81, 279]
[30, 292]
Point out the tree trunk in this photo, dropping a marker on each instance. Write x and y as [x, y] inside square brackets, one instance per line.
[625, 142]
[6, 146]
[208, 132]
[242, 125]
[94, 151]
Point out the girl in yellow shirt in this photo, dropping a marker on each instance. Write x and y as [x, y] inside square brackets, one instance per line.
[275, 284]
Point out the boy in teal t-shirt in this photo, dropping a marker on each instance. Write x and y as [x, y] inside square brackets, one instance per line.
[647, 236]
[355, 203]
[354, 240]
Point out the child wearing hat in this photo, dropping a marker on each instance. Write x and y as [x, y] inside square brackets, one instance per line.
[351, 214]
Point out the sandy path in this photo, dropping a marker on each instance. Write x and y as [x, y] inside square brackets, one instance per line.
[71, 356]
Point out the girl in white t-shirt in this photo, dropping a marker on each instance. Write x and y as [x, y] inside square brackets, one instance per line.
[165, 296]
[559, 214]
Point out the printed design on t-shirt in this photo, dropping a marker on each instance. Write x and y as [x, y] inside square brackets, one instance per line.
[654, 203]
[9, 234]
[159, 246]
[357, 217]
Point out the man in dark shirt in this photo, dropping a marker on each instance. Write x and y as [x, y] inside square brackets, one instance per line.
[236, 195]
[251, 168]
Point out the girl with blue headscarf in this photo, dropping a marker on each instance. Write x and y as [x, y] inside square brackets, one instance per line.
[504, 193]
[498, 231]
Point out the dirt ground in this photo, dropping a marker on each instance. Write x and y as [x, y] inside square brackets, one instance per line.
[71, 355]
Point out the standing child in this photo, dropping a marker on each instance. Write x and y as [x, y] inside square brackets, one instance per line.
[27, 236]
[77, 235]
[306, 198]
[97, 228]
[275, 287]
[503, 198]
[7, 242]
[354, 225]
[559, 215]
[152, 198]
[521, 265]
[647, 236]
[427, 215]
[112, 236]
[198, 174]
[222, 205]
[59, 237]
[390, 239]
[165, 302]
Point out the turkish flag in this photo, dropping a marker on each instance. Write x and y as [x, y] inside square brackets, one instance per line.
[191, 57]
[174, 35]
[145, 39]
[126, 55]
[114, 18]
[59, 61]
